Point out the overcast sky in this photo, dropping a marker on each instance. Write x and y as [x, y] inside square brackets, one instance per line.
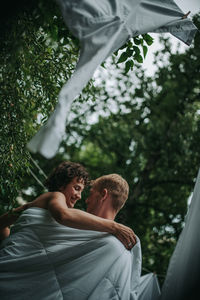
[185, 5]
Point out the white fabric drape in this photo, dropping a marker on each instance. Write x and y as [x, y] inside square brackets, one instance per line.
[102, 27]
[45, 260]
[149, 288]
[183, 276]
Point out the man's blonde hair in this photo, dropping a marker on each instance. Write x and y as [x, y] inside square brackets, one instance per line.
[116, 186]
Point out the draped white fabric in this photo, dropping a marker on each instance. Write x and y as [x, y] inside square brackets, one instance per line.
[45, 260]
[183, 276]
[149, 288]
[103, 27]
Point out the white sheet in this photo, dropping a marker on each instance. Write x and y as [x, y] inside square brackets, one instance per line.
[44, 260]
[149, 288]
[183, 276]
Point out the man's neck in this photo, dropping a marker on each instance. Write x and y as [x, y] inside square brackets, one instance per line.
[106, 214]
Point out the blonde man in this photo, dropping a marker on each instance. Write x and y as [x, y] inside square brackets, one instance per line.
[112, 188]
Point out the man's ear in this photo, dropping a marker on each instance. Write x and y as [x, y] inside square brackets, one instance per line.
[104, 194]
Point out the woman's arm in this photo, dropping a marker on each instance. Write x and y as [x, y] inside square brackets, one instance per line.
[10, 217]
[82, 220]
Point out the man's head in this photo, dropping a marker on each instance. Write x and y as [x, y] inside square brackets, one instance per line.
[64, 173]
[108, 192]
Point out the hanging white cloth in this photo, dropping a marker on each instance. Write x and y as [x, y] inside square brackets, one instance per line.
[102, 27]
[183, 276]
[149, 288]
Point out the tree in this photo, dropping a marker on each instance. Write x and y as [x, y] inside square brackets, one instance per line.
[38, 54]
[153, 141]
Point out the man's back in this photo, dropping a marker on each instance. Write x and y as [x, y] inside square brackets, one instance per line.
[58, 262]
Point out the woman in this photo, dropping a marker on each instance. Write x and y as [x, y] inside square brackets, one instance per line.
[65, 185]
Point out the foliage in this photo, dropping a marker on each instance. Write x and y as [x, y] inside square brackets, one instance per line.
[132, 51]
[153, 141]
[38, 54]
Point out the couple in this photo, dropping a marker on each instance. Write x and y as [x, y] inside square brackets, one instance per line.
[58, 252]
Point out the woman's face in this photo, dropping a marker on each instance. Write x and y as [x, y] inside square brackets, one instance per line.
[73, 191]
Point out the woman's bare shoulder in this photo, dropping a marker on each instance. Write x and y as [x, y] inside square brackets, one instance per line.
[44, 199]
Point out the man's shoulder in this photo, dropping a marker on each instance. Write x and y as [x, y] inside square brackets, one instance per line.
[114, 244]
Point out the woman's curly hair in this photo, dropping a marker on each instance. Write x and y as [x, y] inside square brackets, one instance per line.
[63, 175]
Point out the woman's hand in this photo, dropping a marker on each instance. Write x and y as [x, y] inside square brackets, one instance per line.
[4, 233]
[125, 234]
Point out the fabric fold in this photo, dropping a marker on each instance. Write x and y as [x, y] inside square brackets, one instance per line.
[183, 275]
[58, 262]
[102, 27]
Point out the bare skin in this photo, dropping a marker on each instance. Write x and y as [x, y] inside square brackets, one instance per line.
[60, 204]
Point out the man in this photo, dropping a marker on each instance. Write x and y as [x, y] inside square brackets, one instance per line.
[44, 260]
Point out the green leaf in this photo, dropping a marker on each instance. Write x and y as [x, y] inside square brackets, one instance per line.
[123, 57]
[116, 53]
[103, 65]
[145, 49]
[137, 41]
[138, 58]
[136, 49]
[129, 52]
[129, 65]
[148, 39]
